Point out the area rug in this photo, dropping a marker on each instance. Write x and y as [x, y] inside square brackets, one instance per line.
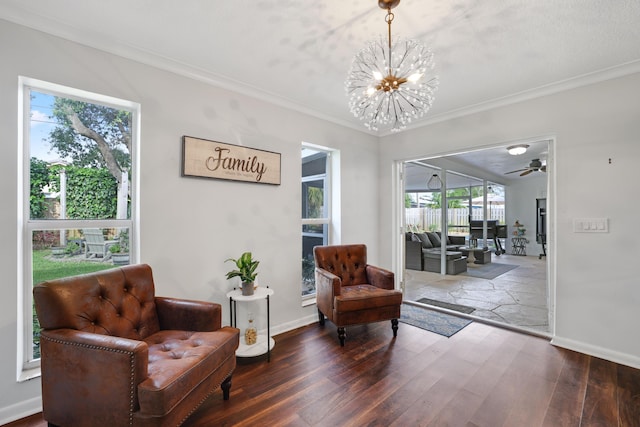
[448, 305]
[433, 321]
[488, 271]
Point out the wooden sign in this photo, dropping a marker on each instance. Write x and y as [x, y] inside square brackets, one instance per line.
[211, 159]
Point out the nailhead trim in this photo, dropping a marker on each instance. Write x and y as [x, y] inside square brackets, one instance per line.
[97, 347]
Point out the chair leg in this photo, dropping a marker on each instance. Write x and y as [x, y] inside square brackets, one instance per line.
[320, 318]
[394, 326]
[342, 333]
[226, 387]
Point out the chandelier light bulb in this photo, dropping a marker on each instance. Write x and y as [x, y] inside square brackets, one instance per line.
[413, 78]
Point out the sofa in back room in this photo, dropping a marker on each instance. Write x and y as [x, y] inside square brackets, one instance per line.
[422, 252]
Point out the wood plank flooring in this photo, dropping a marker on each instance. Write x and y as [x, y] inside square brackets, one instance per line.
[481, 376]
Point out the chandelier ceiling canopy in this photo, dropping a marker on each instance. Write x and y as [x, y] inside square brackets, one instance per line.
[391, 81]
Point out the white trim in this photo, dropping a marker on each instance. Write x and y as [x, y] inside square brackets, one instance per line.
[78, 94]
[115, 47]
[294, 324]
[20, 410]
[597, 351]
[27, 367]
[551, 212]
[311, 300]
[610, 73]
[398, 219]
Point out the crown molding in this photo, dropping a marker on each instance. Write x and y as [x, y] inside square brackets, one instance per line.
[622, 70]
[151, 58]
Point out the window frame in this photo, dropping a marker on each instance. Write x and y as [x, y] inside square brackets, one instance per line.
[326, 219]
[27, 366]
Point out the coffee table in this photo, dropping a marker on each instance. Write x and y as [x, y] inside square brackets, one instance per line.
[468, 251]
[477, 255]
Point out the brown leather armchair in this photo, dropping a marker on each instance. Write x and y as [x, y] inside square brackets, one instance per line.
[351, 292]
[114, 354]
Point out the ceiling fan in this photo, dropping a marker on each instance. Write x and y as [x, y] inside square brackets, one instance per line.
[535, 166]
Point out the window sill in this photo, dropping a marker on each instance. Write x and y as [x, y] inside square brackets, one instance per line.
[29, 374]
[309, 301]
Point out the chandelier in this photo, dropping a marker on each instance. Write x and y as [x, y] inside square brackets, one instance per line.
[391, 82]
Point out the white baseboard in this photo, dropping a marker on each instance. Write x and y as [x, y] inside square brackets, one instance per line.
[20, 410]
[596, 351]
[289, 326]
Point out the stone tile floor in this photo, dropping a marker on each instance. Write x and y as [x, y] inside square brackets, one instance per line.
[517, 298]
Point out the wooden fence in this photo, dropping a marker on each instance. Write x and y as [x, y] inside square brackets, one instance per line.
[458, 218]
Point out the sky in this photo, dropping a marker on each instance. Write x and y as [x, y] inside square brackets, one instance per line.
[41, 124]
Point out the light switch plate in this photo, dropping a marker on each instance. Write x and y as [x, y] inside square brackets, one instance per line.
[591, 225]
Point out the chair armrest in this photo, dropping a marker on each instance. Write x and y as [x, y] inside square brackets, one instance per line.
[187, 315]
[82, 366]
[327, 282]
[380, 277]
[413, 255]
[328, 286]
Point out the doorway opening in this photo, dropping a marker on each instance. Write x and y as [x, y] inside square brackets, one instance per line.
[475, 238]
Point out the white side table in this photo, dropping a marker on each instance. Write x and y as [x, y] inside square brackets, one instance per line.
[264, 343]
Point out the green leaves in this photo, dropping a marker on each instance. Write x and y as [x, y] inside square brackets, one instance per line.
[246, 268]
[91, 193]
[39, 179]
[112, 124]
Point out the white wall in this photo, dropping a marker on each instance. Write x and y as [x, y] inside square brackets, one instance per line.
[521, 205]
[188, 226]
[596, 275]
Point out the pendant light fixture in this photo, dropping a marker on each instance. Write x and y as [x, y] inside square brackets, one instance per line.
[391, 82]
[434, 183]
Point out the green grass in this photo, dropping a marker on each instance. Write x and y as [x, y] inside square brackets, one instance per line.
[48, 269]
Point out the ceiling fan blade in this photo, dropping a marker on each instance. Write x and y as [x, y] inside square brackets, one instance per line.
[519, 170]
[527, 172]
[543, 168]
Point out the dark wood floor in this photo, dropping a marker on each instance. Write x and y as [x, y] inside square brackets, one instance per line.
[482, 376]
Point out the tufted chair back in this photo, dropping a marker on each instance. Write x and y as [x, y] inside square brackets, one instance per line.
[118, 302]
[348, 262]
[351, 292]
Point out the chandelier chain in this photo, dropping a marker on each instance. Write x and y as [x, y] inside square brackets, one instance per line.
[389, 19]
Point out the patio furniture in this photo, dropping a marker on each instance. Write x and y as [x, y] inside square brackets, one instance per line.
[456, 263]
[422, 252]
[351, 292]
[115, 354]
[494, 231]
[95, 245]
[481, 255]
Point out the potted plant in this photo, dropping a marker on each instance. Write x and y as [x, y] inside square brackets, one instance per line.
[120, 251]
[58, 251]
[118, 256]
[246, 270]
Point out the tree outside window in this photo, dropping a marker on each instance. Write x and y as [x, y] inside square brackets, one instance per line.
[79, 156]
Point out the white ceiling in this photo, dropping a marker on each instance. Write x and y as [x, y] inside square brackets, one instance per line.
[470, 168]
[297, 53]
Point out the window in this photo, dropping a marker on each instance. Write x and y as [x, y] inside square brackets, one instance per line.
[316, 213]
[78, 200]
